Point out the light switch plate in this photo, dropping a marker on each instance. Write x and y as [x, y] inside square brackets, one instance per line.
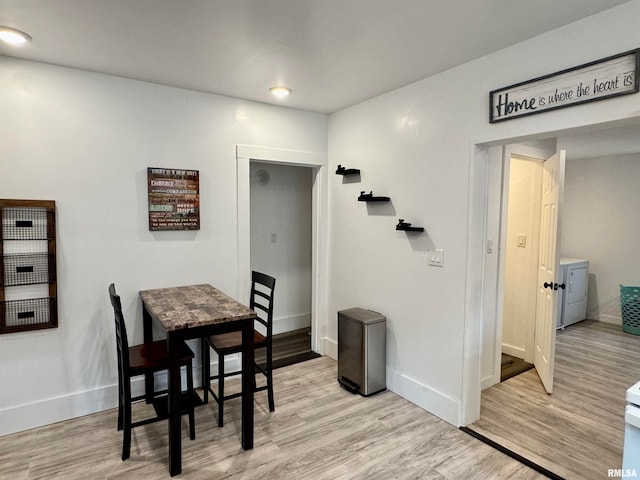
[436, 257]
[522, 240]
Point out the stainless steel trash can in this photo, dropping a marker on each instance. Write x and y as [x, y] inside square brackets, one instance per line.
[362, 352]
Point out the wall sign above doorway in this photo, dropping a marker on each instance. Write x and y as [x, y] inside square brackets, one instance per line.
[605, 78]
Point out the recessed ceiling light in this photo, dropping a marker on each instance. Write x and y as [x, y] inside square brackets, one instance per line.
[13, 36]
[280, 92]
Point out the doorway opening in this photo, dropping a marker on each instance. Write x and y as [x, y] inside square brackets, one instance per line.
[281, 246]
[522, 193]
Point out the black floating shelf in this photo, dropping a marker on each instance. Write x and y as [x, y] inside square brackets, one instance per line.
[406, 227]
[347, 171]
[368, 197]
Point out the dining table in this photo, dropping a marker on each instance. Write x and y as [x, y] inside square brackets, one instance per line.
[194, 311]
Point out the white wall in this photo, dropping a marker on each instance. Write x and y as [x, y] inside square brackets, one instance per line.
[601, 223]
[281, 239]
[85, 141]
[521, 262]
[416, 145]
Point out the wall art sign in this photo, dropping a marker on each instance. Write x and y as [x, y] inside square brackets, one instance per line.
[605, 78]
[174, 199]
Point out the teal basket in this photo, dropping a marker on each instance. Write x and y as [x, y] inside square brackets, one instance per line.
[630, 306]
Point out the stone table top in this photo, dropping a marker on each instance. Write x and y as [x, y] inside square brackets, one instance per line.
[193, 306]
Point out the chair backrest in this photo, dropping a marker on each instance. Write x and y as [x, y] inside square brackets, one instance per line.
[261, 302]
[122, 342]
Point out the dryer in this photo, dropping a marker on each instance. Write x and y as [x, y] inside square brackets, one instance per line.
[572, 300]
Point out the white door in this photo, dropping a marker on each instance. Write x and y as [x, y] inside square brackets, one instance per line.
[548, 268]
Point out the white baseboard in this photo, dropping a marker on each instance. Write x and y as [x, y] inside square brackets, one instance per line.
[609, 319]
[489, 381]
[52, 410]
[513, 351]
[292, 322]
[425, 397]
[329, 348]
[57, 409]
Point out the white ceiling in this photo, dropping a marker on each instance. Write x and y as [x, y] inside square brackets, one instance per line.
[332, 53]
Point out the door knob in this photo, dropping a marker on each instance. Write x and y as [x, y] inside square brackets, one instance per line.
[548, 285]
[562, 286]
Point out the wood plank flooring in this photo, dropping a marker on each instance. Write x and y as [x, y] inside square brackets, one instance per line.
[292, 343]
[289, 348]
[319, 431]
[578, 431]
[512, 366]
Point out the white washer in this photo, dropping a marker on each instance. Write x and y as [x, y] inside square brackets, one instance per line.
[572, 299]
[631, 452]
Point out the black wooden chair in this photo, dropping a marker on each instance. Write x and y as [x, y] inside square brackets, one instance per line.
[262, 288]
[138, 360]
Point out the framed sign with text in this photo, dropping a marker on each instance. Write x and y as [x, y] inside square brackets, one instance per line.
[174, 199]
[605, 78]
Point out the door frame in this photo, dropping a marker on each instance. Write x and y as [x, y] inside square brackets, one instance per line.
[477, 289]
[318, 162]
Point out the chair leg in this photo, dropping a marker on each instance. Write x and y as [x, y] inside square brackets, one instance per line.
[255, 372]
[119, 409]
[126, 435]
[272, 405]
[206, 375]
[192, 421]
[220, 390]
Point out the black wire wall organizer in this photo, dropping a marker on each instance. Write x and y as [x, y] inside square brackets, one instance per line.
[28, 251]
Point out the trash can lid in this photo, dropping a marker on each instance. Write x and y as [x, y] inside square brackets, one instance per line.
[361, 315]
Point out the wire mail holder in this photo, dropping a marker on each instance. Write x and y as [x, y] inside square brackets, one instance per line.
[28, 286]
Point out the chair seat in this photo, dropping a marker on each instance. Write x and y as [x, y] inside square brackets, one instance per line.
[154, 356]
[232, 342]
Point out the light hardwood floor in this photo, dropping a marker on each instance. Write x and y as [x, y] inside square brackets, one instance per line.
[577, 432]
[318, 431]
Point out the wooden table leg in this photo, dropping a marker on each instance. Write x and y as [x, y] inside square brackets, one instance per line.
[248, 375]
[147, 330]
[175, 438]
